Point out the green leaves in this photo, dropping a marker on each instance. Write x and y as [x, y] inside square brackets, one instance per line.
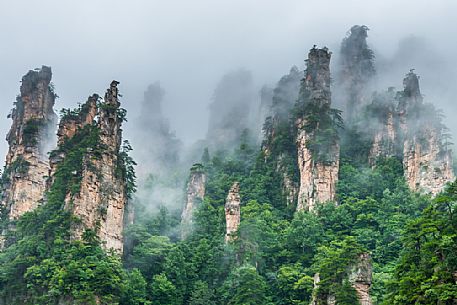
[425, 273]
[245, 287]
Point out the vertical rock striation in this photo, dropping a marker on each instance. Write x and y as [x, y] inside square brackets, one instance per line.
[102, 197]
[196, 187]
[402, 125]
[317, 140]
[232, 212]
[27, 166]
[85, 115]
[427, 157]
[360, 278]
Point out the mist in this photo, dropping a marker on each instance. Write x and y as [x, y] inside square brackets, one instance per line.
[189, 46]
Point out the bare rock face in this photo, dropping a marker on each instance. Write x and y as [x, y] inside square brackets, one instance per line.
[357, 70]
[403, 125]
[317, 179]
[427, 166]
[232, 212]
[318, 170]
[71, 123]
[195, 193]
[27, 165]
[360, 278]
[427, 157]
[102, 198]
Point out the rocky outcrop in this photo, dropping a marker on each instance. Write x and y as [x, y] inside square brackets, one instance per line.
[317, 179]
[30, 136]
[70, 123]
[232, 212]
[356, 71]
[318, 153]
[74, 120]
[360, 277]
[101, 201]
[427, 157]
[196, 187]
[427, 165]
[402, 125]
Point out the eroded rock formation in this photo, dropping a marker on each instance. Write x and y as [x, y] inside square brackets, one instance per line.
[70, 123]
[196, 187]
[30, 136]
[427, 157]
[318, 154]
[73, 121]
[360, 277]
[101, 201]
[402, 125]
[357, 71]
[232, 212]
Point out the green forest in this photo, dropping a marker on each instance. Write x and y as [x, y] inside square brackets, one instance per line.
[341, 193]
[411, 238]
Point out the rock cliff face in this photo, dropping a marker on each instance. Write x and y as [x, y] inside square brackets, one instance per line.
[102, 198]
[399, 123]
[318, 155]
[427, 157]
[402, 125]
[195, 193]
[360, 278]
[357, 71]
[427, 166]
[69, 125]
[27, 166]
[232, 212]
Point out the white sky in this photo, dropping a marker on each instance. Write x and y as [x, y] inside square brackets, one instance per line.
[188, 45]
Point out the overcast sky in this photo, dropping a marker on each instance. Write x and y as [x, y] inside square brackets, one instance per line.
[188, 45]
